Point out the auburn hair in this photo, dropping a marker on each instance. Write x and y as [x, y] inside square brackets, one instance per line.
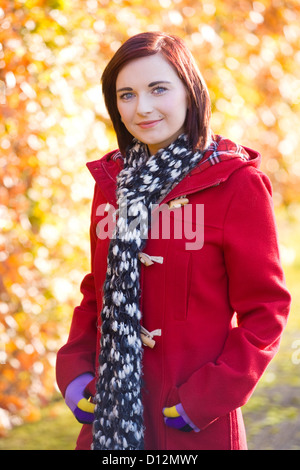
[175, 51]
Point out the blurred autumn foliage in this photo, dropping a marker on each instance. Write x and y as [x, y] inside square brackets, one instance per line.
[53, 121]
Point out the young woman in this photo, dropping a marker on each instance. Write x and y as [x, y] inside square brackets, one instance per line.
[186, 301]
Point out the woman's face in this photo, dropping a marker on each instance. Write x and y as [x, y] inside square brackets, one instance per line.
[152, 101]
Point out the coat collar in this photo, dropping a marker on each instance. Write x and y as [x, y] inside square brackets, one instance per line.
[207, 174]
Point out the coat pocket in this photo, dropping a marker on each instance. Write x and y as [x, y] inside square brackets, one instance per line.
[172, 397]
[178, 285]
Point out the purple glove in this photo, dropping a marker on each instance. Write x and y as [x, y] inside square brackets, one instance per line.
[77, 399]
[175, 417]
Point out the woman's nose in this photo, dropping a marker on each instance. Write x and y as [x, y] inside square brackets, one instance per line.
[144, 105]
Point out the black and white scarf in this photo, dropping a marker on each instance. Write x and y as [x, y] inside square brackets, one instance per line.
[143, 182]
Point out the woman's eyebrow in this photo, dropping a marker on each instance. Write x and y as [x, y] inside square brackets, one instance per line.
[157, 83]
[124, 89]
[152, 84]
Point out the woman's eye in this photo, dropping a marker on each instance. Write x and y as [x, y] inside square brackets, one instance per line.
[159, 90]
[126, 96]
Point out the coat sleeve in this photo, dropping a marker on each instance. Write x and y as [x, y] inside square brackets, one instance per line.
[77, 356]
[258, 295]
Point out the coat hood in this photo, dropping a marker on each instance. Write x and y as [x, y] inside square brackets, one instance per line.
[216, 166]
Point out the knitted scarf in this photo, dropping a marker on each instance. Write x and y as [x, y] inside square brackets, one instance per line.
[143, 182]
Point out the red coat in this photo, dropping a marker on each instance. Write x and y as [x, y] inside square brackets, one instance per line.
[221, 308]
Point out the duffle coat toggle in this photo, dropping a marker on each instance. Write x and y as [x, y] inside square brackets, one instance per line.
[147, 337]
[147, 260]
[178, 202]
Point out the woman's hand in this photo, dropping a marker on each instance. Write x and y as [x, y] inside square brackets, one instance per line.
[77, 399]
[176, 418]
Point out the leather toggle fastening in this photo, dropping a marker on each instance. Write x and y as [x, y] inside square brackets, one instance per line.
[147, 337]
[147, 260]
[107, 207]
[176, 203]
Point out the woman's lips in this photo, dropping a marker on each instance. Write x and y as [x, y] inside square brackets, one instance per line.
[148, 124]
